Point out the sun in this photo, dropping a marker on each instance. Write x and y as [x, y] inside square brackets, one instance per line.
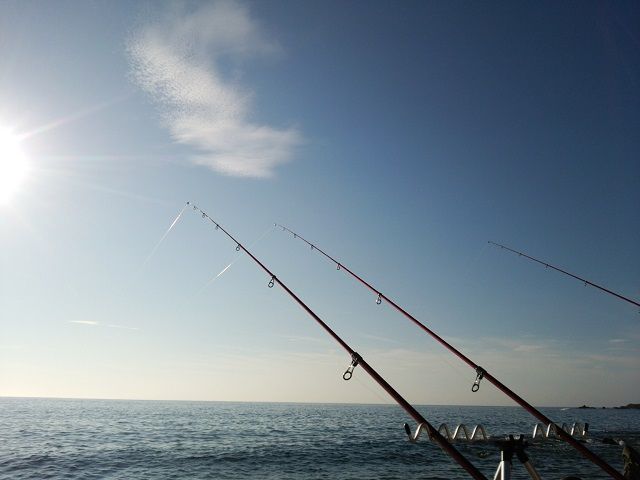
[14, 167]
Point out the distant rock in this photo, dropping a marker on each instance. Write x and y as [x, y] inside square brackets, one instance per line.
[635, 406]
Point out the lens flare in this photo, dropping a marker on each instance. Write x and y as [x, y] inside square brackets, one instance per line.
[14, 167]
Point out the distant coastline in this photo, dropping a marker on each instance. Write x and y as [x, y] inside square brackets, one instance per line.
[628, 406]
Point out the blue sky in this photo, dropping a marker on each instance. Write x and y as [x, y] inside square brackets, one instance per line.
[399, 137]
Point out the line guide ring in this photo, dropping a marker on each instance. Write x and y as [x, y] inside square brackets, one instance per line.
[355, 360]
[479, 376]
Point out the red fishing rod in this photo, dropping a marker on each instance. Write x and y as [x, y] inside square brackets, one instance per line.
[356, 360]
[480, 372]
[586, 282]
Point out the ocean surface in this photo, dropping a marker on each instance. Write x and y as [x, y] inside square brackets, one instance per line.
[109, 439]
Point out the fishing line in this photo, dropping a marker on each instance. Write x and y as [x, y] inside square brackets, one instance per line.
[481, 373]
[358, 360]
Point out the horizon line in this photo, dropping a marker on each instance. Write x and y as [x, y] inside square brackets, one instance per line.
[291, 402]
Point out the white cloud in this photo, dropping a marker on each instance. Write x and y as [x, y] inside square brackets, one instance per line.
[180, 61]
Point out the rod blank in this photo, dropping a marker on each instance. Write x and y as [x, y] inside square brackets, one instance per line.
[481, 373]
[434, 435]
[586, 282]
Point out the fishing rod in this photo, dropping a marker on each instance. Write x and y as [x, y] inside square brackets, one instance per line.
[357, 359]
[480, 372]
[586, 282]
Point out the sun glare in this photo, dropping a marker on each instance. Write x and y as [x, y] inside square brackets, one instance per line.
[13, 166]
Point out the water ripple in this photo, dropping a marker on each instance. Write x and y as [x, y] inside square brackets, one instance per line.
[91, 439]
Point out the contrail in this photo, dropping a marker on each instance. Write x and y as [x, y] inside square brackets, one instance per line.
[238, 257]
[93, 323]
[223, 270]
[163, 236]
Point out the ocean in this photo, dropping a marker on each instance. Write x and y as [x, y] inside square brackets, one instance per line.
[121, 439]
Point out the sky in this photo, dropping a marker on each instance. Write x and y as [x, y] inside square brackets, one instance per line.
[400, 137]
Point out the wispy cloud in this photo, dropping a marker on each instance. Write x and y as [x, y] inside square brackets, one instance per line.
[522, 345]
[181, 61]
[93, 323]
[527, 347]
[304, 339]
[615, 360]
[379, 338]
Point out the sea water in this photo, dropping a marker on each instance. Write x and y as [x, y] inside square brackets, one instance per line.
[108, 439]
